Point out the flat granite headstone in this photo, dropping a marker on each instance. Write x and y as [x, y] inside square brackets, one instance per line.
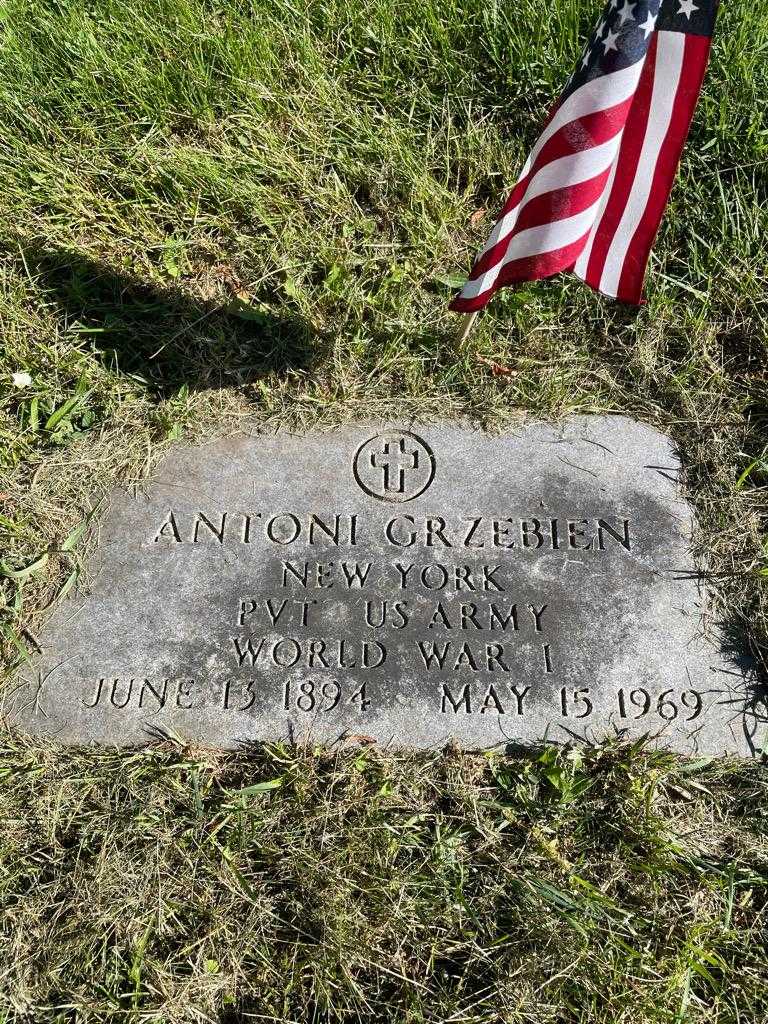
[411, 584]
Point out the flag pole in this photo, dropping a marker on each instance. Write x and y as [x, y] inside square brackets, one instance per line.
[467, 324]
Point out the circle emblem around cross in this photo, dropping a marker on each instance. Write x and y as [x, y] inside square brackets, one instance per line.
[394, 466]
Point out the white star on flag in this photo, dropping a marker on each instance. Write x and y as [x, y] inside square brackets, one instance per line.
[610, 41]
[687, 7]
[626, 12]
[648, 25]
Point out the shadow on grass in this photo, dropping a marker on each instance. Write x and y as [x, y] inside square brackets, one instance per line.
[170, 339]
[747, 696]
[165, 337]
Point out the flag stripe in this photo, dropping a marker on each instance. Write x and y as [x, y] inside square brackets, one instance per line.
[541, 210]
[583, 255]
[590, 264]
[691, 77]
[607, 91]
[558, 204]
[543, 264]
[668, 64]
[532, 241]
[529, 268]
[596, 128]
[610, 90]
[567, 170]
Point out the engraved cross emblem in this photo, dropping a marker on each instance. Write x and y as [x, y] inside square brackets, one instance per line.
[392, 462]
[395, 465]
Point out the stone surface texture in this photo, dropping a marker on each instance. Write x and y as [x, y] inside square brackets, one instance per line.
[411, 583]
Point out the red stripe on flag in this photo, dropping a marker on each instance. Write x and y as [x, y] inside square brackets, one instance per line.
[550, 207]
[695, 60]
[629, 155]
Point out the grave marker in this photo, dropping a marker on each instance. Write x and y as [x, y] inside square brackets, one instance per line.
[415, 584]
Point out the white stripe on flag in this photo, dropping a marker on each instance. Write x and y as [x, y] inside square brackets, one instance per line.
[580, 267]
[542, 238]
[669, 64]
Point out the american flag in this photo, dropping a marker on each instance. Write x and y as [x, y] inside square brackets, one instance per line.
[592, 193]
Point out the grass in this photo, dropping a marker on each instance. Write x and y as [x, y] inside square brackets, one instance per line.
[214, 211]
[290, 885]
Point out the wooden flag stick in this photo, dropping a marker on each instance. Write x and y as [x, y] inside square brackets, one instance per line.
[468, 321]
